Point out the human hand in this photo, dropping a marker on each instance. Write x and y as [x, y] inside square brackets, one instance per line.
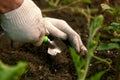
[24, 23]
[59, 28]
[9, 5]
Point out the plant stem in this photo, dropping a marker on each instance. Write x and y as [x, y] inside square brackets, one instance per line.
[87, 65]
[61, 7]
[103, 60]
[57, 1]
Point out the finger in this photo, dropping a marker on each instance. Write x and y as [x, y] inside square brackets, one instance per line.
[60, 24]
[83, 49]
[54, 31]
[76, 43]
[74, 38]
[63, 26]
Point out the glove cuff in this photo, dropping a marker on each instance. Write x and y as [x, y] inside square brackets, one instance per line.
[18, 15]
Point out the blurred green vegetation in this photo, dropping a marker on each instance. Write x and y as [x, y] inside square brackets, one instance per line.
[12, 72]
[82, 65]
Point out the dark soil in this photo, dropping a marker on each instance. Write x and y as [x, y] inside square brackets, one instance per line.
[42, 66]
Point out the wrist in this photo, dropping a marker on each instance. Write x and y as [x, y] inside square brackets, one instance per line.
[9, 5]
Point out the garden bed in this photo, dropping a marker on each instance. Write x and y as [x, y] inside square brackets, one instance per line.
[42, 66]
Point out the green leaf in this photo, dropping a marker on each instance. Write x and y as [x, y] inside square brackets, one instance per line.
[96, 25]
[67, 1]
[114, 26]
[108, 46]
[115, 40]
[86, 1]
[76, 58]
[12, 72]
[97, 76]
[94, 38]
[108, 9]
[105, 6]
[117, 11]
[93, 43]
[79, 63]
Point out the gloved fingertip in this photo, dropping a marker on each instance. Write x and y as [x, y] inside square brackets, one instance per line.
[84, 50]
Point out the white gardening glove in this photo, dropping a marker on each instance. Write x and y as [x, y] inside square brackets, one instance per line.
[61, 29]
[24, 23]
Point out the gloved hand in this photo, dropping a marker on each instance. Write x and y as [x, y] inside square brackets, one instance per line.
[24, 23]
[61, 29]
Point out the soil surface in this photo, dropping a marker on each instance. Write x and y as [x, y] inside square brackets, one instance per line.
[42, 66]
